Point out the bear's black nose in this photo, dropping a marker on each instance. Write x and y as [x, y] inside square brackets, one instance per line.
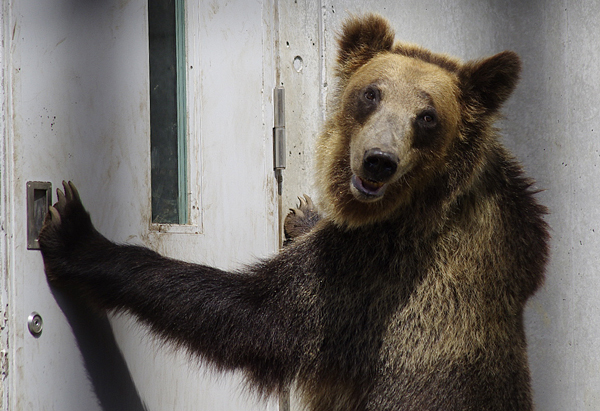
[379, 165]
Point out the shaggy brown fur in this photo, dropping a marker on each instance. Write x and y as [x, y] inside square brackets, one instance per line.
[408, 294]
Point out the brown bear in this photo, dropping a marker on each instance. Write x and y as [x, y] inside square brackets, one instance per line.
[407, 294]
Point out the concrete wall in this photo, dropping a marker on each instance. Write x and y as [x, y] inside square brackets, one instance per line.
[552, 125]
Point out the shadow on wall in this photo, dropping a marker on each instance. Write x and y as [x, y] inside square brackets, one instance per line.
[106, 368]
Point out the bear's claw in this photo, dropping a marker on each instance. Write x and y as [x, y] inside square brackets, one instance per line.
[53, 215]
[300, 220]
[66, 198]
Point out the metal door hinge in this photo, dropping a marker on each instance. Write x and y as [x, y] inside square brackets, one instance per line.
[279, 154]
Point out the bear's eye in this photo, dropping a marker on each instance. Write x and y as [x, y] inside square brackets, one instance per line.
[365, 101]
[428, 118]
[371, 94]
[426, 128]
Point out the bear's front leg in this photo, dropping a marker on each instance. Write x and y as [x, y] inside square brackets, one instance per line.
[260, 320]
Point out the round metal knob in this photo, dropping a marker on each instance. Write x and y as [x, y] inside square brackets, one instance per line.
[35, 324]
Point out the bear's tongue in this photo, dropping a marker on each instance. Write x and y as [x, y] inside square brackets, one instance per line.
[368, 187]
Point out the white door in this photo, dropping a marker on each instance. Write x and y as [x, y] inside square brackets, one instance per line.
[76, 105]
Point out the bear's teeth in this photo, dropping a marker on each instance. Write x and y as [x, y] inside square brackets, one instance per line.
[372, 185]
[367, 188]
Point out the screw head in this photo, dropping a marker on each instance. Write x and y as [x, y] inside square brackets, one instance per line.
[35, 324]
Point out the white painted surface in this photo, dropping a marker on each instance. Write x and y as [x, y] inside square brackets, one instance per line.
[73, 101]
[76, 95]
[552, 125]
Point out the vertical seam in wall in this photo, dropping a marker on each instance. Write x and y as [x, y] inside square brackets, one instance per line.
[3, 191]
[278, 174]
[276, 50]
[8, 27]
[567, 120]
[323, 61]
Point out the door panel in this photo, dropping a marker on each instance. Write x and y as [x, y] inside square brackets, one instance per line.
[77, 107]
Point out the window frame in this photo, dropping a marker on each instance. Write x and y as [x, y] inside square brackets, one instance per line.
[188, 118]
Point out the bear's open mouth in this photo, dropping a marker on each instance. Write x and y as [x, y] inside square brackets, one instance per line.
[368, 188]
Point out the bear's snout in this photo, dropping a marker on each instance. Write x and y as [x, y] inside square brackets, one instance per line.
[377, 169]
[379, 166]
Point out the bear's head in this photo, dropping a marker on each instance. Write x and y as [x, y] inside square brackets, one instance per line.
[405, 121]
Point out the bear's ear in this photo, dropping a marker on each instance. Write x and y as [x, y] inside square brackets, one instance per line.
[489, 82]
[360, 40]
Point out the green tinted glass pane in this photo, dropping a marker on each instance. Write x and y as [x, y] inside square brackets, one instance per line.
[167, 111]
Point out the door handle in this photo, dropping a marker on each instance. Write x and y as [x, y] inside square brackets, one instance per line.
[39, 199]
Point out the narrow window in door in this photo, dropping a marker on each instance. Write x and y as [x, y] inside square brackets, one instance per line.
[168, 130]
